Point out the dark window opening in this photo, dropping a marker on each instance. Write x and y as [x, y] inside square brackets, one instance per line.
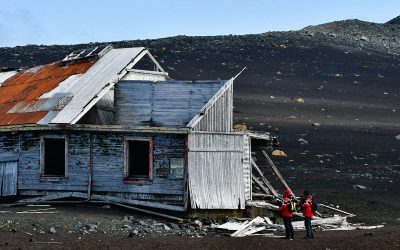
[54, 156]
[145, 64]
[139, 165]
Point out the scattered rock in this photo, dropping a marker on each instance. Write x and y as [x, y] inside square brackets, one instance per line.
[359, 187]
[300, 100]
[133, 233]
[364, 38]
[198, 223]
[52, 230]
[302, 141]
[127, 227]
[397, 137]
[315, 124]
[279, 153]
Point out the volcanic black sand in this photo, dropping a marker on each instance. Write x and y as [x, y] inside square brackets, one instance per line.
[347, 73]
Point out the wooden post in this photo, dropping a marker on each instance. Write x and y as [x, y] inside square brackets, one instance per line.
[275, 170]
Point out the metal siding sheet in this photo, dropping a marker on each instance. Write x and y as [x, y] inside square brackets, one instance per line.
[96, 79]
[21, 93]
[218, 117]
[215, 171]
[5, 75]
[247, 167]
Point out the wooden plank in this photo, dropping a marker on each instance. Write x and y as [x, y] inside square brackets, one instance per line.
[263, 195]
[148, 212]
[50, 197]
[261, 185]
[335, 209]
[266, 182]
[2, 166]
[9, 185]
[276, 171]
[138, 202]
[256, 220]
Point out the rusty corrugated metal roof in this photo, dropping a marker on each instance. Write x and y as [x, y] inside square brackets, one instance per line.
[19, 95]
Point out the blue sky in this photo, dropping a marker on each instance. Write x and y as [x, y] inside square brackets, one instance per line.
[80, 21]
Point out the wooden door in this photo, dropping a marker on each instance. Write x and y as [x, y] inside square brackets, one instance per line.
[8, 178]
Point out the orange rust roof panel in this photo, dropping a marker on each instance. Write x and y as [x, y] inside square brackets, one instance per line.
[29, 85]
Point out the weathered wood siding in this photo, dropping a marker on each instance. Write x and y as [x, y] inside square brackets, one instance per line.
[215, 171]
[163, 104]
[29, 168]
[108, 165]
[219, 116]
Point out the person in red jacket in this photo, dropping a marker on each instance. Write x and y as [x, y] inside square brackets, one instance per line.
[287, 214]
[306, 205]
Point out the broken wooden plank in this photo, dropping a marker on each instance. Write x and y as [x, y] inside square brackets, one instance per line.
[251, 231]
[275, 170]
[255, 221]
[266, 182]
[148, 212]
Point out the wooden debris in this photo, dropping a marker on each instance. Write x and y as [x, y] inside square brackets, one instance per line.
[148, 212]
[266, 182]
[275, 170]
[337, 210]
[48, 242]
[249, 228]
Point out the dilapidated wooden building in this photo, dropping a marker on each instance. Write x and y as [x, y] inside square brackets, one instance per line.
[109, 124]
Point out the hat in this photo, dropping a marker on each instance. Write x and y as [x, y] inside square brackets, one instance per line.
[288, 192]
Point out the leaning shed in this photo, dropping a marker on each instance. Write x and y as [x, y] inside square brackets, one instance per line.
[109, 124]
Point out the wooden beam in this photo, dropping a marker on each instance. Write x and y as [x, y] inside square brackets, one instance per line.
[337, 210]
[147, 211]
[267, 183]
[275, 170]
[260, 184]
[152, 204]
[262, 195]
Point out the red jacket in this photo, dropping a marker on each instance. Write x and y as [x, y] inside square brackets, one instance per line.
[285, 213]
[306, 207]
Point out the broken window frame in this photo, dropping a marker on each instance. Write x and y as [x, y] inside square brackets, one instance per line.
[43, 176]
[133, 180]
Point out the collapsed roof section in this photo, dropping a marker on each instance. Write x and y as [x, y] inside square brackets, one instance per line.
[64, 91]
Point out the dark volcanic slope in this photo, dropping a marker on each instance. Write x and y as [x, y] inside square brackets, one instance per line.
[347, 72]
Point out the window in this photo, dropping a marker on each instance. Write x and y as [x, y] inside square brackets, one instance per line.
[176, 166]
[138, 159]
[53, 156]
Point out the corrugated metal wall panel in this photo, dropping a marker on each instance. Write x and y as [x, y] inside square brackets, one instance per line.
[218, 118]
[247, 167]
[103, 72]
[215, 171]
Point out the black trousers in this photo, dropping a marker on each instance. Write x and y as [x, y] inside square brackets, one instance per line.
[288, 228]
[307, 224]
